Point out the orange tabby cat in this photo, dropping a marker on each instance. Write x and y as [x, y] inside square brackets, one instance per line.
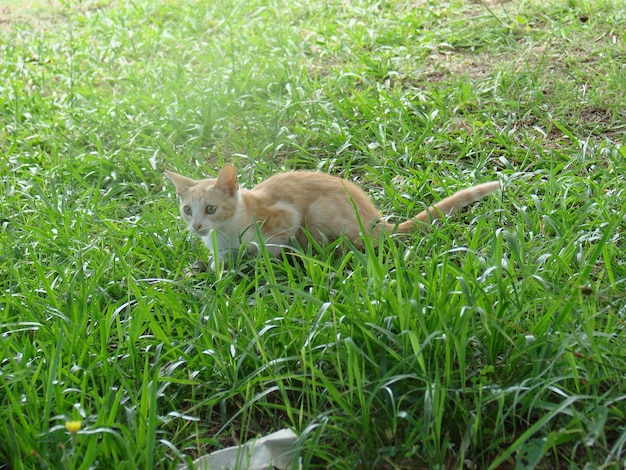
[278, 209]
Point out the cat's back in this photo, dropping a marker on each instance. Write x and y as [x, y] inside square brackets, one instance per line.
[316, 195]
[296, 182]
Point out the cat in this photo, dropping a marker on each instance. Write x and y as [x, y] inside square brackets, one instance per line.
[283, 207]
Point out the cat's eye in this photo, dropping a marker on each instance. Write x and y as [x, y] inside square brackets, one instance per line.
[187, 210]
[211, 209]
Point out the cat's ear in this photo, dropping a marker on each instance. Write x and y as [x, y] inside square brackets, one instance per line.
[181, 182]
[227, 180]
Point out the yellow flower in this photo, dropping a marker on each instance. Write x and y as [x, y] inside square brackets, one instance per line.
[73, 426]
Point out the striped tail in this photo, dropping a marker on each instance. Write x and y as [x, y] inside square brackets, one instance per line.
[446, 207]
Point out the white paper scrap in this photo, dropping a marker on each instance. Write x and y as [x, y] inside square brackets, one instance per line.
[265, 453]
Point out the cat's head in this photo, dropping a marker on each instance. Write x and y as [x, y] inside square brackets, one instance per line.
[207, 204]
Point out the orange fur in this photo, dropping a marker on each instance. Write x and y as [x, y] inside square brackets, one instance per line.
[280, 208]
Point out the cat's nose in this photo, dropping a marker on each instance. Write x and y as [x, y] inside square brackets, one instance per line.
[197, 226]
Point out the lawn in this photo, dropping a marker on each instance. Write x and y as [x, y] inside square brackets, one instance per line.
[495, 340]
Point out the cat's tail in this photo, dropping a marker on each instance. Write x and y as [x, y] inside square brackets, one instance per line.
[448, 206]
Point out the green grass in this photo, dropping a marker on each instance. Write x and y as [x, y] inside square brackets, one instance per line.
[494, 341]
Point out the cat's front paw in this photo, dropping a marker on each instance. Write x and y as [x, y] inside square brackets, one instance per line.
[199, 267]
[218, 263]
[224, 258]
[195, 269]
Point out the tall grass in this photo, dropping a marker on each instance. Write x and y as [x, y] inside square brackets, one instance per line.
[492, 341]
